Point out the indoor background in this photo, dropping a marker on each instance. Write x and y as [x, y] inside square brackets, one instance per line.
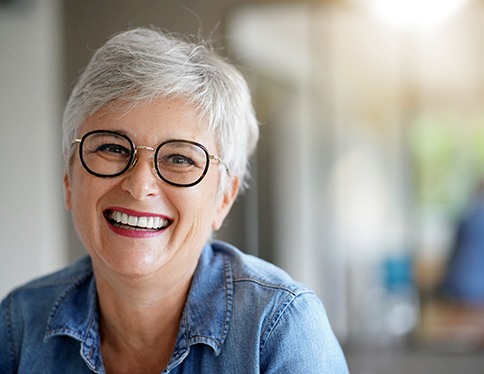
[372, 143]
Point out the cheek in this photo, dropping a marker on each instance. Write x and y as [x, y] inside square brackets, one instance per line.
[196, 211]
[82, 208]
[83, 194]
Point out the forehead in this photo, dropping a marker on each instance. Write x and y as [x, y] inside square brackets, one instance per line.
[152, 122]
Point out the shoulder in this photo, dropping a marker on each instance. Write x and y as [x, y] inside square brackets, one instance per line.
[264, 291]
[283, 314]
[39, 295]
[25, 311]
[60, 279]
[251, 269]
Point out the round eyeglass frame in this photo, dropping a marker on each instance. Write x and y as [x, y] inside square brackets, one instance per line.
[133, 157]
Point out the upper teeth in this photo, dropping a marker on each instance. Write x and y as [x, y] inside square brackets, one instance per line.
[144, 222]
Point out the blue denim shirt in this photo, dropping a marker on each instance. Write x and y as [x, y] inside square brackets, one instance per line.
[242, 315]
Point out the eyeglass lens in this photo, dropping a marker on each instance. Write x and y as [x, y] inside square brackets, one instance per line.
[178, 162]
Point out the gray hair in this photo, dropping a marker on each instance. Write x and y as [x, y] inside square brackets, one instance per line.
[145, 64]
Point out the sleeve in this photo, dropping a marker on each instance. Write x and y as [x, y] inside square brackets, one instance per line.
[7, 346]
[300, 340]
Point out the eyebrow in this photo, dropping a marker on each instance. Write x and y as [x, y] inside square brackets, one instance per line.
[120, 132]
[130, 136]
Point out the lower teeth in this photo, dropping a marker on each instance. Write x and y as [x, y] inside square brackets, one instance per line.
[123, 226]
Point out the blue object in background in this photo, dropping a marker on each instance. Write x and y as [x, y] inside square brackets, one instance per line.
[464, 278]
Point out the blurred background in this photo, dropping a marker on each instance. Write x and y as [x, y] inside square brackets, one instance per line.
[367, 184]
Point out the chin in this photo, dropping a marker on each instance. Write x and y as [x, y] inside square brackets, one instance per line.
[134, 264]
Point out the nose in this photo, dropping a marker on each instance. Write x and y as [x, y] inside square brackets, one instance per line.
[142, 181]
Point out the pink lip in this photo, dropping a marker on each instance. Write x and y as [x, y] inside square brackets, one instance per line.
[131, 233]
[136, 234]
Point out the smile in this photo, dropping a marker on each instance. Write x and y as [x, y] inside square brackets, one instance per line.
[131, 222]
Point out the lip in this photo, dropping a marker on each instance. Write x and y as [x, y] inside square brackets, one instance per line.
[131, 232]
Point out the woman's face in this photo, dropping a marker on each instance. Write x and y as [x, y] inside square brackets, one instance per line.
[187, 214]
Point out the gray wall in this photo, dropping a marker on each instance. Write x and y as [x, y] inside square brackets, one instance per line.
[32, 234]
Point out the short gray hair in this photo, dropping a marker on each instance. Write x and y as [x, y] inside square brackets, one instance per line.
[145, 64]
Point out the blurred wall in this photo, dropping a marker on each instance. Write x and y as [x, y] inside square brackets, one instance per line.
[32, 234]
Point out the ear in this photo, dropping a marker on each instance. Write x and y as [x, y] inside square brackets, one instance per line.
[227, 200]
[67, 191]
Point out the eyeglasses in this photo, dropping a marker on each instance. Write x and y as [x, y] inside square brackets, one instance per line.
[108, 154]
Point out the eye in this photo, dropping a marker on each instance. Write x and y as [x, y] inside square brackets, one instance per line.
[180, 157]
[113, 149]
[177, 160]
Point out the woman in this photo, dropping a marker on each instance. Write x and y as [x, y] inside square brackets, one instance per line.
[157, 135]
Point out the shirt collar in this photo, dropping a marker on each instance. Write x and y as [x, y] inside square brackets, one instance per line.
[208, 309]
[75, 308]
[205, 319]
[75, 314]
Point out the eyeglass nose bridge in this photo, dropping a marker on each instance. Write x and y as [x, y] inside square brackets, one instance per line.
[135, 157]
[144, 147]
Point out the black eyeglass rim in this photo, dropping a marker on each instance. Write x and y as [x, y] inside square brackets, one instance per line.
[133, 157]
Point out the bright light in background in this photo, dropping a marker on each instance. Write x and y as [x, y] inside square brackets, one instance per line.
[409, 13]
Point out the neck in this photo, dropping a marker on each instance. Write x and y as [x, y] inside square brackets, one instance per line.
[140, 317]
[123, 299]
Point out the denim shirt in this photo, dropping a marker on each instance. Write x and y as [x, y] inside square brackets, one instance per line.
[242, 315]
